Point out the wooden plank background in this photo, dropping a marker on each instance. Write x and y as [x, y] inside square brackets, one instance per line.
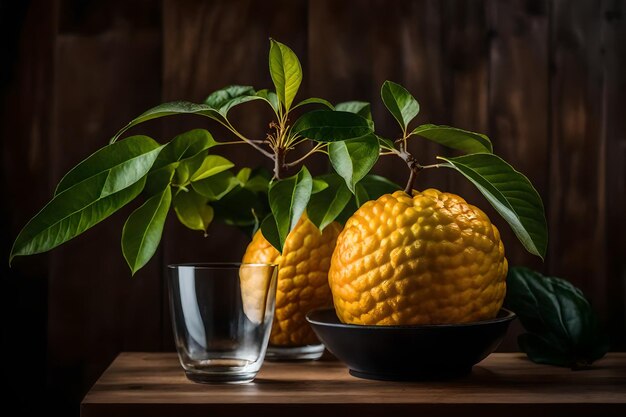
[544, 78]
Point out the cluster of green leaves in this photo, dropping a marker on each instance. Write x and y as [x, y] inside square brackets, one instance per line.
[561, 326]
[180, 174]
[200, 186]
[509, 191]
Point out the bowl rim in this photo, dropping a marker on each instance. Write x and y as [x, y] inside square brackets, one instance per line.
[509, 316]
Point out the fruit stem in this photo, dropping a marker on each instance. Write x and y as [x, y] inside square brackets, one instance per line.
[413, 165]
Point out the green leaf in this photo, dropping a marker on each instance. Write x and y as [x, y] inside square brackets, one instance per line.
[221, 97]
[187, 168]
[143, 230]
[353, 159]
[211, 165]
[216, 186]
[184, 146]
[315, 100]
[318, 185]
[372, 187]
[192, 210]
[362, 108]
[400, 103]
[241, 207]
[169, 109]
[330, 126]
[259, 181]
[235, 102]
[225, 99]
[271, 98]
[126, 161]
[285, 71]
[326, 205]
[452, 137]
[510, 193]
[244, 175]
[562, 327]
[288, 198]
[270, 232]
[385, 143]
[157, 180]
[71, 212]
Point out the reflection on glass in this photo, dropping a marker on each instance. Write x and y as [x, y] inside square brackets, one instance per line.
[222, 315]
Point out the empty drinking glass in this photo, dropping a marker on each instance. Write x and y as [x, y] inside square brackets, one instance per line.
[222, 315]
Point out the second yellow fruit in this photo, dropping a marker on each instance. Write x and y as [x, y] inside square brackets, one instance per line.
[302, 278]
[428, 258]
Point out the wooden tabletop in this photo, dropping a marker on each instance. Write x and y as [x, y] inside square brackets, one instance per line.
[504, 384]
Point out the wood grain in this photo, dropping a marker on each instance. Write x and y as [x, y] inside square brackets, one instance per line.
[614, 53]
[402, 44]
[577, 182]
[142, 383]
[27, 136]
[102, 79]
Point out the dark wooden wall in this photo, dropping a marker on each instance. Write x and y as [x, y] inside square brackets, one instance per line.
[546, 79]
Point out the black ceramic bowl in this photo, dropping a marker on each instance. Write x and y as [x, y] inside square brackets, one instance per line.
[409, 352]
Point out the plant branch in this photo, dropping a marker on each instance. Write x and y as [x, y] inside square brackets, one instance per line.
[316, 148]
[250, 142]
[279, 162]
[431, 166]
[413, 165]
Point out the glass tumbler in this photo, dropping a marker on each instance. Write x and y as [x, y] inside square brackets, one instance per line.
[222, 315]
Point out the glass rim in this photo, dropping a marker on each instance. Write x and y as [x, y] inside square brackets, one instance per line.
[218, 265]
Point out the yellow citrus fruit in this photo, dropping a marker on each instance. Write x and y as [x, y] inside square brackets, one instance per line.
[430, 258]
[302, 278]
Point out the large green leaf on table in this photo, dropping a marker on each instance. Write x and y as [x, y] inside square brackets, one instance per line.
[125, 162]
[169, 109]
[400, 103]
[288, 198]
[452, 137]
[362, 108]
[223, 96]
[330, 126]
[71, 212]
[373, 187]
[315, 100]
[216, 186]
[211, 165]
[562, 327]
[285, 71]
[326, 205]
[354, 158]
[192, 210]
[143, 230]
[510, 193]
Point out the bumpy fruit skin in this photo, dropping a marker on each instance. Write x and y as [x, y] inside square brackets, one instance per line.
[302, 278]
[427, 259]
